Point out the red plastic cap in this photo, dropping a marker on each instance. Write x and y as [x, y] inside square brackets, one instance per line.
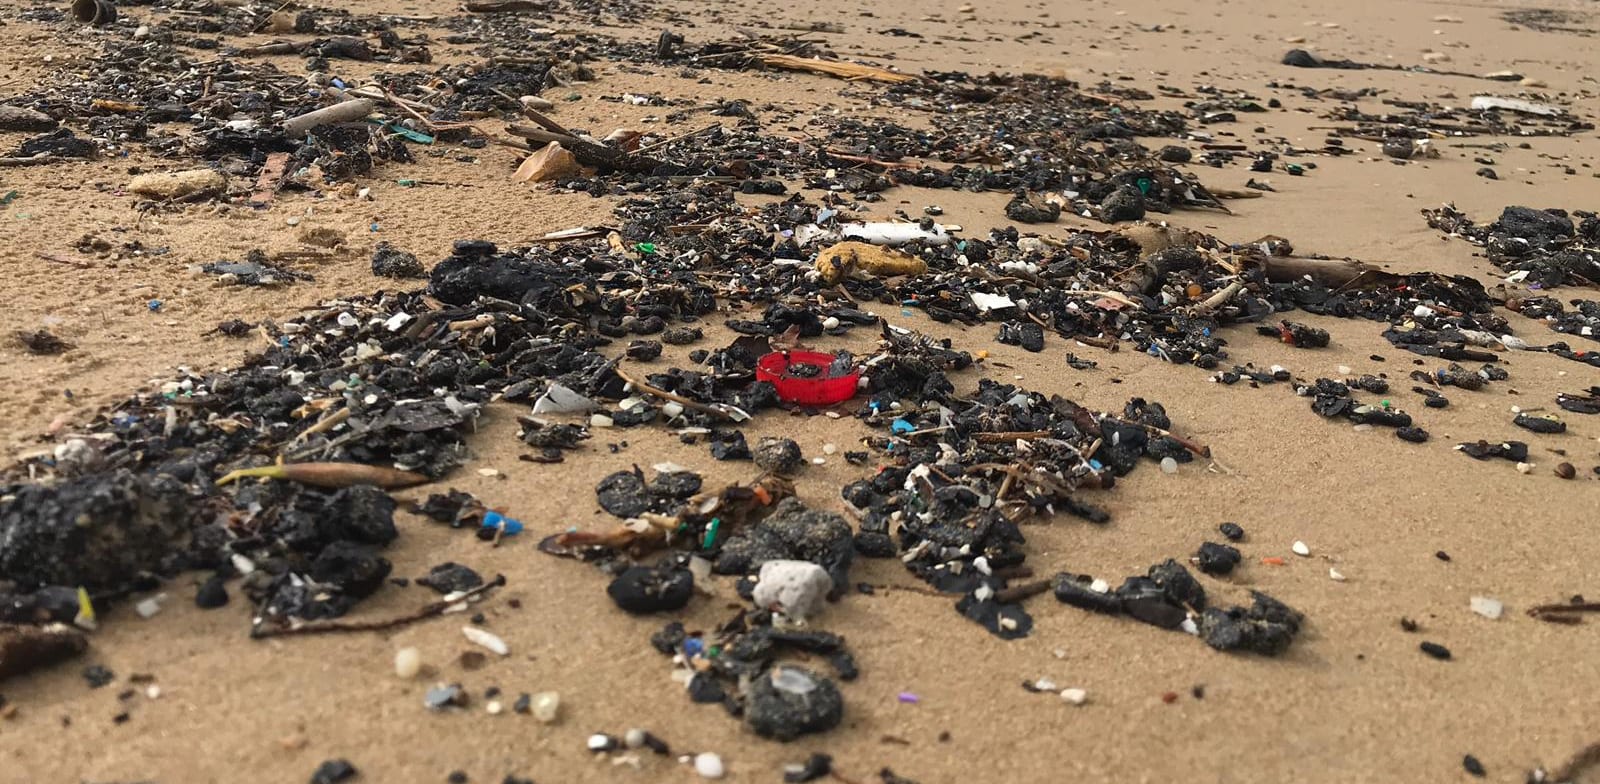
[815, 391]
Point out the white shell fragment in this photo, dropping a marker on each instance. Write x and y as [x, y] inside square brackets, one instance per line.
[486, 639]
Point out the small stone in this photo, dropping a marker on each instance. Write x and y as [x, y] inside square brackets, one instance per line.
[213, 593]
[152, 692]
[441, 697]
[601, 742]
[1301, 548]
[1524, 468]
[407, 663]
[709, 765]
[831, 322]
[333, 771]
[778, 455]
[1169, 465]
[1487, 607]
[1436, 650]
[1044, 684]
[798, 589]
[1217, 559]
[546, 706]
[1233, 531]
[830, 449]
[790, 701]
[633, 738]
[1335, 575]
[1075, 696]
[646, 589]
[1473, 766]
[494, 707]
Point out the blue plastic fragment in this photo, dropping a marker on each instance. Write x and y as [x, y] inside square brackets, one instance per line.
[154, 305]
[1096, 464]
[902, 426]
[694, 646]
[492, 519]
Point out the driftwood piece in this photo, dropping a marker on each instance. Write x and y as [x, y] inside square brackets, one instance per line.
[588, 153]
[24, 648]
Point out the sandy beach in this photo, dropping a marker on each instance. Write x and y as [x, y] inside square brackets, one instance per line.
[1412, 531]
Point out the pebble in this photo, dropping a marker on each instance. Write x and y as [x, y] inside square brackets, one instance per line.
[1487, 607]
[671, 409]
[407, 662]
[633, 738]
[1044, 684]
[1300, 548]
[546, 706]
[708, 765]
[1524, 468]
[1169, 465]
[1436, 650]
[831, 322]
[1344, 370]
[601, 742]
[494, 707]
[153, 692]
[487, 640]
[1336, 575]
[1075, 696]
[830, 449]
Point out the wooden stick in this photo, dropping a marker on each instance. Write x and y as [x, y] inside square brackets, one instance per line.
[431, 610]
[665, 395]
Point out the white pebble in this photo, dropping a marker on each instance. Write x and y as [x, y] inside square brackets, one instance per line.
[708, 765]
[546, 706]
[407, 662]
[671, 408]
[599, 742]
[487, 640]
[494, 707]
[1300, 548]
[818, 460]
[1335, 575]
[600, 420]
[1075, 696]
[799, 589]
[1044, 684]
[488, 472]
[153, 692]
[1059, 653]
[1487, 607]
[1169, 465]
[1344, 370]
[633, 738]
[831, 322]
[1523, 468]
[830, 449]
[1100, 586]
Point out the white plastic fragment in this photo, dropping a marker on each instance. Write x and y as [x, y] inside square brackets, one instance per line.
[1301, 548]
[1487, 607]
[600, 420]
[1481, 102]
[798, 589]
[988, 302]
[1169, 465]
[1335, 575]
[1075, 696]
[560, 399]
[149, 606]
[1044, 684]
[494, 707]
[885, 233]
[1524, 468]
[407, 663]
[487, 640]
[709, 765]
[599, 742]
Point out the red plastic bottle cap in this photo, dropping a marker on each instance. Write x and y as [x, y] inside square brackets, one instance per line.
[818, 390]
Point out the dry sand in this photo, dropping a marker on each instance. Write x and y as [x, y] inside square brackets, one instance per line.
[1353, 701]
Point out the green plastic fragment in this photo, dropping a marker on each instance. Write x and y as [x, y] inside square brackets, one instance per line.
[711, 533]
